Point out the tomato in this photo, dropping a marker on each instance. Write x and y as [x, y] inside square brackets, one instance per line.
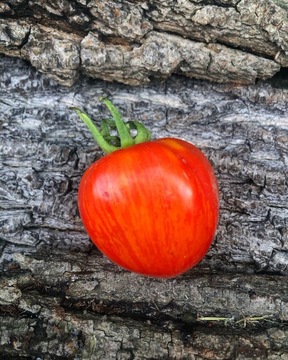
[151, 208]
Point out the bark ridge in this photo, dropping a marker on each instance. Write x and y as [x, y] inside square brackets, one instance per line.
[132, 42]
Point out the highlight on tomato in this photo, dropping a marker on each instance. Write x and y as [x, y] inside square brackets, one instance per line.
[151, 206]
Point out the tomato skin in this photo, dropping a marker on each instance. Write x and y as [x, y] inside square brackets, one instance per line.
[151, 208]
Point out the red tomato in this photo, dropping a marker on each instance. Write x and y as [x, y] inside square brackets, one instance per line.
[151, 208]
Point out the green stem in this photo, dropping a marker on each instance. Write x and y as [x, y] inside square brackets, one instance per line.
[105, 139]
[102, 143]
[126, 139]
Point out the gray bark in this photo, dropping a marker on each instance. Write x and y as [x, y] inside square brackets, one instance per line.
[133, 41]
[60, 298]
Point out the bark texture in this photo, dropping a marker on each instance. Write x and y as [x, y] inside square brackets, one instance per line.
[135, 41]
[60, 298]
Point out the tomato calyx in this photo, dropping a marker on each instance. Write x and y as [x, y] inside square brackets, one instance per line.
[115, 134]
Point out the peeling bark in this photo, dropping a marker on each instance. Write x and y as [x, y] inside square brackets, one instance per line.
[132, 42]
[60, 298]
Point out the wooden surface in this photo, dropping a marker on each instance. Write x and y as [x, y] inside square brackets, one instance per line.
[60, 298]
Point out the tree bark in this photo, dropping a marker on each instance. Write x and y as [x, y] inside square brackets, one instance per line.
[60, 298]
[133, 41]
